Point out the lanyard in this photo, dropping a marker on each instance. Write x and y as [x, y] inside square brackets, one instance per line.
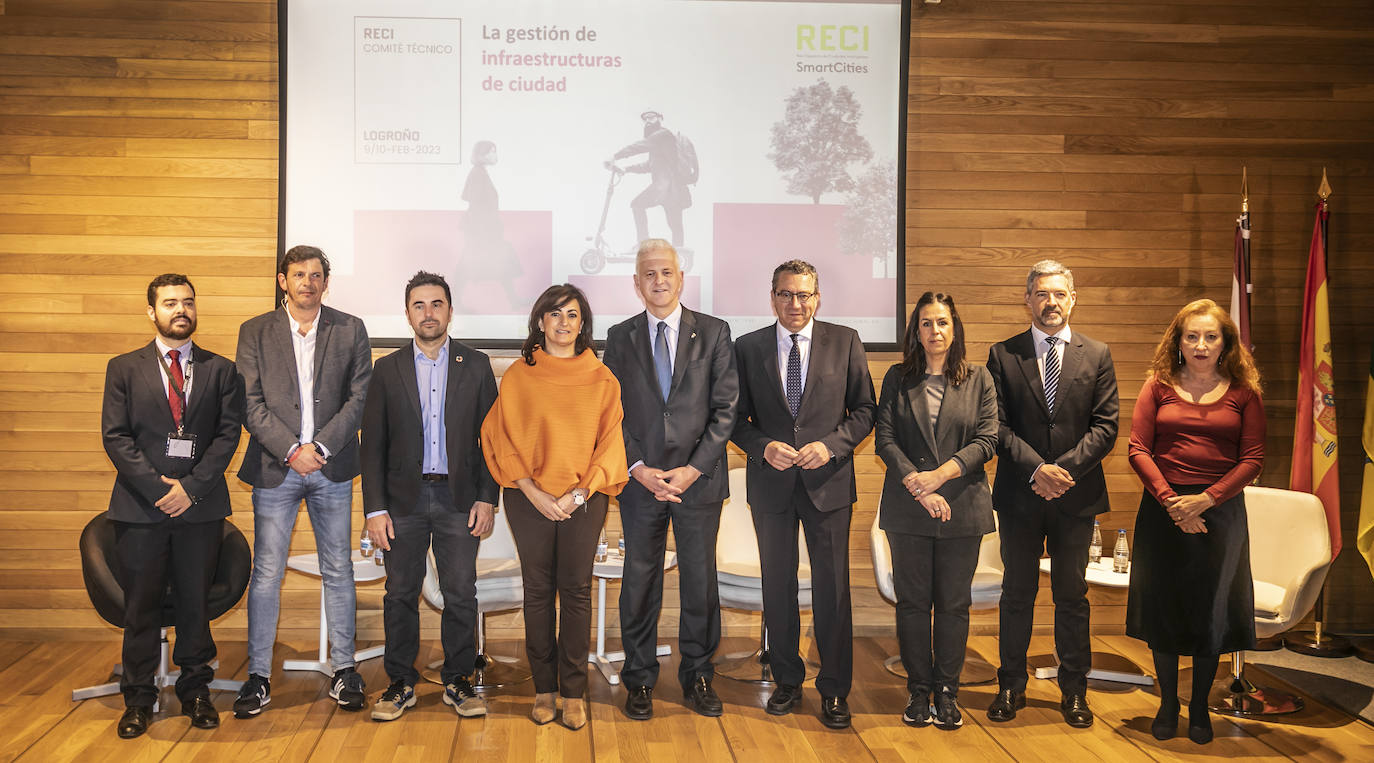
[179, 391]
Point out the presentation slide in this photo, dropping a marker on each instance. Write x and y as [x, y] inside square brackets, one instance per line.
[513, 145]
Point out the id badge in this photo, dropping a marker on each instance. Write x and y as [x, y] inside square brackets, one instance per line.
[181, 446]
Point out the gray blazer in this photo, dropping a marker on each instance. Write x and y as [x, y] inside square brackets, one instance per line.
[267, 363]
[965, 431]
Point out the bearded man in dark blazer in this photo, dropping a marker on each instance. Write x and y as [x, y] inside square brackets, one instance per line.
[679, 388]
[1057, 420]
[170, 418]
[806, 401]
[426, 487]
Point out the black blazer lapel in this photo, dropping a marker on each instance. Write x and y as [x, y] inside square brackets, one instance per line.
[639, 340]
[149, 369]
[820, 350]
[410, 386]
[1068, 372]
[1031, 371]
[920, 411]
[770, 367]
[200, 381]
[686, 339]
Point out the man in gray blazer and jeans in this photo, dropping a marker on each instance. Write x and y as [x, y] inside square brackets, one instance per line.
[305, 369]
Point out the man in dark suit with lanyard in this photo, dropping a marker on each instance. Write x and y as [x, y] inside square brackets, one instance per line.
[678, 387]
[426, 483]
[806, 401]
[1057, 411]
[171, 418]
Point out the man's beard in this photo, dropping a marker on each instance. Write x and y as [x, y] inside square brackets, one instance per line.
[172, 331]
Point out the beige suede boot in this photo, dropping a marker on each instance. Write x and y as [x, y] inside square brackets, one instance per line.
[544, 709]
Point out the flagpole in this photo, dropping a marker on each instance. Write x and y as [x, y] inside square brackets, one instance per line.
[1318, 643]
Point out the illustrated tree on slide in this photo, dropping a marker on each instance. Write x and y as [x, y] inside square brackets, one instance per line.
[868, 226]
[817, 139]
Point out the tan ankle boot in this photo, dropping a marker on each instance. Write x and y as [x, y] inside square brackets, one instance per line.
[574, 713]
[544, 709]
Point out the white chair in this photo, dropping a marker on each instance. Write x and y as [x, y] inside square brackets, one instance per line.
[1290, 553]
[499, 587]
[740, 580]
[986, 590]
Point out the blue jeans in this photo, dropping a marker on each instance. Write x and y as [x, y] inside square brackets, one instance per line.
[330, 506]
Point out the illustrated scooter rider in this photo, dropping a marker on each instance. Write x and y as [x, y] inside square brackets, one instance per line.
[671, 168]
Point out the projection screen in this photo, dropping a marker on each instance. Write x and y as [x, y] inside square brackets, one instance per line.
[512, 145]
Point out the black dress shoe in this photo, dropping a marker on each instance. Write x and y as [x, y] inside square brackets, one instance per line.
[1076, 712]
[639, 706]
[702, 698]
[784, 699]
[134, 721]
[834, 712]
[1005, 705]
[201, 712]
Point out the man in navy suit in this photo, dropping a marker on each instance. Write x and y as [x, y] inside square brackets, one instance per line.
[678, 387]
[806, 401]
[1057, 413]
[170, 418]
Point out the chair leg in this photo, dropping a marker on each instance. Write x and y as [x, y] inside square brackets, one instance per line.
[1236, 695]
[755, 667]
[488, 672]
[977, 671]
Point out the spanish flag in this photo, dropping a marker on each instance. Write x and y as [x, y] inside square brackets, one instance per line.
[1364, 537]
[1314, 432]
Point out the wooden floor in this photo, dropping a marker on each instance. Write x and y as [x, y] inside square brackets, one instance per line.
[39, 722]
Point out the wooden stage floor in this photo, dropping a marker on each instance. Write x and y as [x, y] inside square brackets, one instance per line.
[39, 722]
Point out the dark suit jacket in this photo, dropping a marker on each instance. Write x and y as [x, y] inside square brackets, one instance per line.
[1079, 435]
[694, 425]
[267, 362]
[135, 419]
[393, 435]
[965, 431]
[837, 409]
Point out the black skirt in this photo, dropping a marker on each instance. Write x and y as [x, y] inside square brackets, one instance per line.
[1192, 594]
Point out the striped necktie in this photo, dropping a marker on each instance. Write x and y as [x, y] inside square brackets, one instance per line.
[1051, 372]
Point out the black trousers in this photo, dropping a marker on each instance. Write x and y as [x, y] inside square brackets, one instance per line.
[556, 560]
[827, 543]
[933, 575]
[645, 524]
[1026, 531]
[435, 520]
[184, 554]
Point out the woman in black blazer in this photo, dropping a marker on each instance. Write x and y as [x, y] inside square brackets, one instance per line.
[936, 428]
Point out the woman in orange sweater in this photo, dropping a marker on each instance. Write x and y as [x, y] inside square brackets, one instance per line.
[554, 443]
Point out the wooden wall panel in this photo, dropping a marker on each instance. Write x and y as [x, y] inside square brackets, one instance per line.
[139, 136]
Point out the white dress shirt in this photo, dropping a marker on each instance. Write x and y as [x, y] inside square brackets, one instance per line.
[185, 360]
[785, 349]
[304, 347]
[1042, 347]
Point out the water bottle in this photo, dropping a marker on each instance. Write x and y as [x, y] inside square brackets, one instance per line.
[620, 546]
[365, 545]
[377, 558]
[1121, 557]
[601, 547]
[1095, 548]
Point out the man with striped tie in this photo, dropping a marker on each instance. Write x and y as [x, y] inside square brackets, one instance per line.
[1057, 414]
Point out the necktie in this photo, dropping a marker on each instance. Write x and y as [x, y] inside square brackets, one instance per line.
[794, 380]
[176, 381]
[663, 365]
[1051, 372]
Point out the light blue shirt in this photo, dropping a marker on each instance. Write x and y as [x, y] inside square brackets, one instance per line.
[431, 380]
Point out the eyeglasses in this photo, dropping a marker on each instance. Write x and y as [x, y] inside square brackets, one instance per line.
[801, 296]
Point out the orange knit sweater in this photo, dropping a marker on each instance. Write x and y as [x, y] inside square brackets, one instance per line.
[558, 423]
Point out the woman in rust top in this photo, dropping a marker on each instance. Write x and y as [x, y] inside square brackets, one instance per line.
[553, 441]
[1197, 439]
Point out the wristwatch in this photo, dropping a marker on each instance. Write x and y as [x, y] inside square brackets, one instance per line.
[578, 497]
